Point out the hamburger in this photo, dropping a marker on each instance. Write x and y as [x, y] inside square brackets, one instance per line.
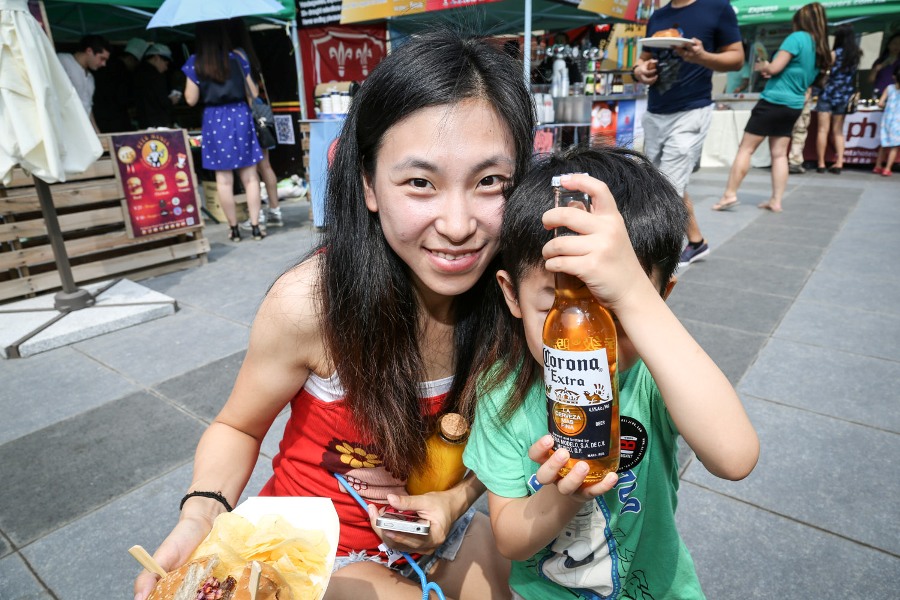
[181, 180]
[196, 580]
[135, 187]
[672, 32]
[159, 182]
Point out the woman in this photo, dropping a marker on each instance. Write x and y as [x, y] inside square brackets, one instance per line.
[240, 37]
[801, 56]
[882, 73]
[387, 324]
[220, 79]
[832, 105]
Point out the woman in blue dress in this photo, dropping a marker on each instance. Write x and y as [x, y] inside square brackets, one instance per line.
[220, 80]
[832, 106]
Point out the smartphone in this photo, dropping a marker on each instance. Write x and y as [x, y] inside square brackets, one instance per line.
[402, 522]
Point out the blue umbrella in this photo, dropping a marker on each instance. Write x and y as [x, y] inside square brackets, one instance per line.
[180, 12]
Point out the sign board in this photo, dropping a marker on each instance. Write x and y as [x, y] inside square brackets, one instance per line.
[156, 174]
[627, 10]
[357, 11]
[616, 123]
[315, 13]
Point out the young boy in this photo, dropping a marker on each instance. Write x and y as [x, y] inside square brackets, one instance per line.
[614, 538]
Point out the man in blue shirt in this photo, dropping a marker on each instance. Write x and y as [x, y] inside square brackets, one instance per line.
[679, 108]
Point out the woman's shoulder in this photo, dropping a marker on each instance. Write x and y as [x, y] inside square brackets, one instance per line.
[290, 313]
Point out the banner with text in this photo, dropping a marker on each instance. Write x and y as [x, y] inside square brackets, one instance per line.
[315, 13]
[357, 11]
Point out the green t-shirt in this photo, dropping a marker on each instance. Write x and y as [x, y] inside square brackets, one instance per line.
[622, 545]
[788, 88]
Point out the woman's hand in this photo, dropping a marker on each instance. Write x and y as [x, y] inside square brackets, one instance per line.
[173, 552]
[434, 507]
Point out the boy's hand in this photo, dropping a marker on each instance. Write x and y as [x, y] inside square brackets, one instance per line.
[571, 484]
[602, 256]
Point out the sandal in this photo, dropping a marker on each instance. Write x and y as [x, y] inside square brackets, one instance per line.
[886, 173]
[835, 170]
[235, 234]
[724, 204]
[767, 206]
[256, 233]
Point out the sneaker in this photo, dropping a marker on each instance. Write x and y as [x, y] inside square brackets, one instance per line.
[272, 217]
[691, 254]
[248, 226]
[796, 169]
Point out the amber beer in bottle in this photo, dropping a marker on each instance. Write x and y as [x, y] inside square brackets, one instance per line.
[443, 466]
[580, 376]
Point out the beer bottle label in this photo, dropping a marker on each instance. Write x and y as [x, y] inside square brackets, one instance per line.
[579, 401]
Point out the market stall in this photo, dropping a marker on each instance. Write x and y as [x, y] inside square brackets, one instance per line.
[765, 24]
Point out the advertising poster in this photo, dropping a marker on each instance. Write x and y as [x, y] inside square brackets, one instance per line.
[156, 173]
[603, 124]
[323, 137]
[625, 124]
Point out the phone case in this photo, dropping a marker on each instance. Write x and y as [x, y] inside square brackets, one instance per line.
[404, 526]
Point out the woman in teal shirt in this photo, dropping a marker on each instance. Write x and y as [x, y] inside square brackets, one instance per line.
[802, 55]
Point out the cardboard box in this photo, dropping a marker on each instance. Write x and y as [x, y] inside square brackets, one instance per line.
[215, 208]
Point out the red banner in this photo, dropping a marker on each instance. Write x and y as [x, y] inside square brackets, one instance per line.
[156, 173]
[339, 54]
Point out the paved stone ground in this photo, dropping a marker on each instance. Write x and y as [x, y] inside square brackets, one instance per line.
[798, 309]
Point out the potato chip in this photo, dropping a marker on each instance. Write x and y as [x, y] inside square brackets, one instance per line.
[299, 555]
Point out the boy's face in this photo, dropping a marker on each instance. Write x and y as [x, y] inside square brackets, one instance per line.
[531, 304]
[535, 299]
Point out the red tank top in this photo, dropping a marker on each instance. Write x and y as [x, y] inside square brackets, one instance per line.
[320, 439]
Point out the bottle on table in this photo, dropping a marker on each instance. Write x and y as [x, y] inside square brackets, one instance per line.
[581, 379]
[443, 466]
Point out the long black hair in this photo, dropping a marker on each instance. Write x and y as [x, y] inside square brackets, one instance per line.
[240, 38]
[371, 316]
[213, 46]
[654, 215]
[845, 39]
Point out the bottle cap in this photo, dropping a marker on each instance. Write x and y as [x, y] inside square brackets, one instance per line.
[556, 180]
[453, 426]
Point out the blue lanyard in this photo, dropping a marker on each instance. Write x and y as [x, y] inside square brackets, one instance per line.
[427, 586]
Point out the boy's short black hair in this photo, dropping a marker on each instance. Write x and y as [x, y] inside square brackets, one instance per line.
[653, 212]
[654, 216]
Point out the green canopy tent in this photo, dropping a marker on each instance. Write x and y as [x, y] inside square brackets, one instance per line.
[759, 12]
[122, 19]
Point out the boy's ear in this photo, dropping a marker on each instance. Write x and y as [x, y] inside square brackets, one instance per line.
[371, 202]
[669, 286]
[509, 293]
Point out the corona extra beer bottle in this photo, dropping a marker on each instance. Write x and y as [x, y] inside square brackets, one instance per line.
[580, 374]
[443, 466]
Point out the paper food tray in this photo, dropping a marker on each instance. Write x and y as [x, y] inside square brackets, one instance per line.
[303, 513]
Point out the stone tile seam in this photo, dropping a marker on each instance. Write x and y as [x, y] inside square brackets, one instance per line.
[791, 519]
[145, 388]
[36, 575]
[103, 505]
[793, 340]
[876, 313]
[781, 404]
[743, 292]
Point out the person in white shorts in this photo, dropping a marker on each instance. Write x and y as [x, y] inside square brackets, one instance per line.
[679, 108]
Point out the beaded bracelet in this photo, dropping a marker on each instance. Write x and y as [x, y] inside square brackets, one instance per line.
[214, 495]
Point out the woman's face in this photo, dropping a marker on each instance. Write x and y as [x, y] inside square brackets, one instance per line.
[438, 191]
